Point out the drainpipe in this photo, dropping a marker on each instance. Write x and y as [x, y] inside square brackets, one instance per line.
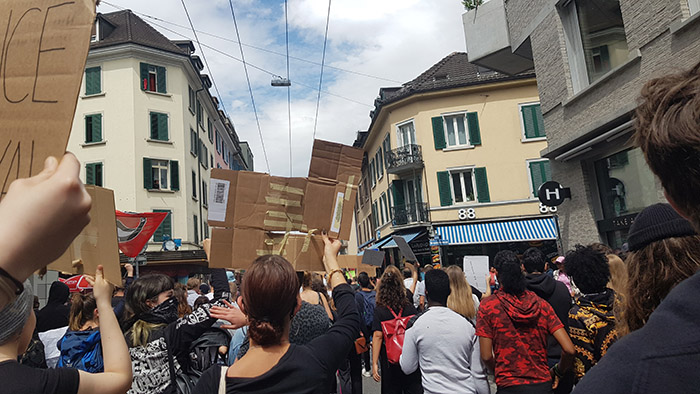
[200, 228]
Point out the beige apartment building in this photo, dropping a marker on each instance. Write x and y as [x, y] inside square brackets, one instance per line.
[453, 165]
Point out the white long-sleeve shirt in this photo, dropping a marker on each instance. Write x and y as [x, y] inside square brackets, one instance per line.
[442, 343]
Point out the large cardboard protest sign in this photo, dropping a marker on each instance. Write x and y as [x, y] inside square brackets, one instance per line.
[97, 243]
[44, 48]
[251, 211]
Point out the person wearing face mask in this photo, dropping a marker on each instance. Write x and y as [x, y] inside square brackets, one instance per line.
[158, 340]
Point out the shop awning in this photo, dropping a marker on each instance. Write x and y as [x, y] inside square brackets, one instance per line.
[408, 237]
[493, 232]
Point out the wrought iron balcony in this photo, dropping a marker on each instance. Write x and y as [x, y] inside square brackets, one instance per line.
[409, 213]
[405, 158]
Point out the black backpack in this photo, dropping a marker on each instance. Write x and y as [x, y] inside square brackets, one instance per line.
[204, 352]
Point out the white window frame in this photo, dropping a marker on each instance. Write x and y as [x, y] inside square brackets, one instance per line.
[523, 136]
[102, 128]
[379, 162]
[373, 172]
[384, 204]
[167, 174]
[462, 170]
[154, 111]
[529, 175]
[693, 6]
[195, 185]
[399, 139]
[466, 130]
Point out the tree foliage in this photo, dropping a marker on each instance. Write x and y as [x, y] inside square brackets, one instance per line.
[471, 4]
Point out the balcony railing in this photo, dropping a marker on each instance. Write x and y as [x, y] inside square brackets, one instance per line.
[410, 213]
[407, 157]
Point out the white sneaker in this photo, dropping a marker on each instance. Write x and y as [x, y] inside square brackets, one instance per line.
[367, 374]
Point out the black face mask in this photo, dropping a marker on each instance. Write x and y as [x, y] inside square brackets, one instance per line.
[165, 313]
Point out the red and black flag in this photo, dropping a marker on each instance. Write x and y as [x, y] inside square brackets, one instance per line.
[135, 229]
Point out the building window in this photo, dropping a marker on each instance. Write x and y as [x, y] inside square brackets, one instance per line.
[456, 130]
[461, 186]
[194, 143]
[161, 174]
[93, 82]
[218, 141]
[200, 115]
[205, 195]
[693, 6]
[373, 172]
[626, 186]
[211, 157]
[93, 128]
[406, 134]
[203, 155]
[375, 221]
[210, 130]
[532, 122]
[93, 174]
[165, 230]
[191, 103]
[206, 231]
[159, 126]
[539, 173]
[595, 39]
[386, 145]
[379, 161]
[194, 185]
[196, 229]
[384, 208]
[153, 78]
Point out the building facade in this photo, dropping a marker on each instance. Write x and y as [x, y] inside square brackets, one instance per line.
[592, 58]
[452, 165]
[146, 127]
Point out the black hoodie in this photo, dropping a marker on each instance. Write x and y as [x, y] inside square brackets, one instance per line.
[55, 313]
[557, 295]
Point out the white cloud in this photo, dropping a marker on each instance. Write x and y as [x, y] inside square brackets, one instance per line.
[394, 39]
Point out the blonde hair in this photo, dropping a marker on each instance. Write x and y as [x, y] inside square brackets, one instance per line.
[618, 274]
[141, 331]
[460, 299]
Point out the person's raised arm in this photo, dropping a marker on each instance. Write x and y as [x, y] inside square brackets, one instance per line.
[414, 276]
[49, 209]
[117, 363]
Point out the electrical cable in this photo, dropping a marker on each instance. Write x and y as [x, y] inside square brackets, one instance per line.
[250, 88]
[201, 51]
[253, 46]
[323, 61]
[289, 87]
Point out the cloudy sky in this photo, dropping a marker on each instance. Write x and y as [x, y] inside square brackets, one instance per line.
[392, 41]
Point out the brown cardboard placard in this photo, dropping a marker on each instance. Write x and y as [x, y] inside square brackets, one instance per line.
[97, 243]
[45, 46]
[255, 201]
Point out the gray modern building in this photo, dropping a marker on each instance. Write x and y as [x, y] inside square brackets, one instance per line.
[592, 58]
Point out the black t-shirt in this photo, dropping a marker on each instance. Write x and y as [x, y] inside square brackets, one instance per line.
[303, 368]
[22, 379]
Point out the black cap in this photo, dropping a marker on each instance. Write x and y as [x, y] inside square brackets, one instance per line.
[657, 222]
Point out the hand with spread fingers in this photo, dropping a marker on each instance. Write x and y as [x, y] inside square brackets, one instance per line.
[231, 314]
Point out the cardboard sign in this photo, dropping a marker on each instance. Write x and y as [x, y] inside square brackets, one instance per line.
[324, 201]
[97, 243]
[475, 270]
[373, 257]
[45, 46]
[406, 250]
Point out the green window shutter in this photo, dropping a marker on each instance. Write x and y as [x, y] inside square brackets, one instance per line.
[529, 121]
[444, 188]
[160, 79]
[144, 76]
[397, 191]
[473, 126]
[536, 176]
[88, 129]
[96, 127]
[147, 174]
[92, 81]
[165, 227]
[374, 215]
[174, 176]
[90, 174]
[162, 127]
[482, 185]
[154, 126]
[98, 174]
[539, 120]
[438, 133]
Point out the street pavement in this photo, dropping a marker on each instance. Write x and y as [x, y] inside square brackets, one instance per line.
[369, 386]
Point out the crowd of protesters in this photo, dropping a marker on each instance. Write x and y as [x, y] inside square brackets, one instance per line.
[588, 321]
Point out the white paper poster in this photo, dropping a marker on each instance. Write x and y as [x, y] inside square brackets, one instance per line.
[218, 199]
[475, 269]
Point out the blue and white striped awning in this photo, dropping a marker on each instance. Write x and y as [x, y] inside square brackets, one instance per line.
[493, 232]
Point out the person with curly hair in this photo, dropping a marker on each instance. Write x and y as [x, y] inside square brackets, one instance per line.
[591, 319]
[391, 299]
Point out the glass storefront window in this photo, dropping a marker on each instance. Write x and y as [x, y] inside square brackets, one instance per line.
[626, 186]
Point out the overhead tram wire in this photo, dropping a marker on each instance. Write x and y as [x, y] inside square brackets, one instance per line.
[323, 61]
[289, 87]
[251, 46]
[250, 88]
[260, 68]
[201, 51]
